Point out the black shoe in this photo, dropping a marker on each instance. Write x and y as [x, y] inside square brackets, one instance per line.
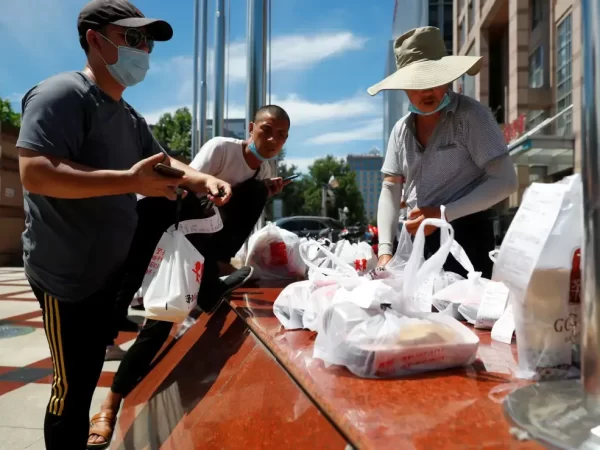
[213, 292]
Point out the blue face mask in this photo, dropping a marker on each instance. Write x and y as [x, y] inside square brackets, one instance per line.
[253, 149]
[131, 66]
[445, 102]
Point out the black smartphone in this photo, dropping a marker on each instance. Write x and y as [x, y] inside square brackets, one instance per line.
[168, 171]
[293, 177]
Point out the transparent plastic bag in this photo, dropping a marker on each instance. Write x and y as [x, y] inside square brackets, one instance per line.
[294, 301]
[382, 343]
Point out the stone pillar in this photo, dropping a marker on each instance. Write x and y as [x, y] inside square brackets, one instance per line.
[518, 58]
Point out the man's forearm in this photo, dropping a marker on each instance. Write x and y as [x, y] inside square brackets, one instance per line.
[64, 179]
[197, 180]
[388, 212]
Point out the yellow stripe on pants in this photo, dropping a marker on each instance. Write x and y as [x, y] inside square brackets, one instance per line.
[53, 332]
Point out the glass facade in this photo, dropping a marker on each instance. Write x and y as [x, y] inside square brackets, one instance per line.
[369, 179]
[536, 68]
[564, 69]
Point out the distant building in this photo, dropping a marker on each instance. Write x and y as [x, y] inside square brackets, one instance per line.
[369, 178]
[409, 14]
[235, 128]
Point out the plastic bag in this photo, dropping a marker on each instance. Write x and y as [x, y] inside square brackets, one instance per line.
[376, 344]
[296, 300]
[274, 254]
[330, 264]
[289, 305]
[173, 279]
[361, 256]
[539, 261]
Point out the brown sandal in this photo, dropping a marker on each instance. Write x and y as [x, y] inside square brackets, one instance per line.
[103, 425]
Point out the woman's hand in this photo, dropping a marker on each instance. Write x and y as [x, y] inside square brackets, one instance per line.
[383, 260]
[418, 215]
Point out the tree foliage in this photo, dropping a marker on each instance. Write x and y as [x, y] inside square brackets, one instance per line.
[8, 115]
[346, 195]
[174, 132]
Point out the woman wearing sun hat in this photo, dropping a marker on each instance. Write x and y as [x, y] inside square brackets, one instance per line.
[448, 151]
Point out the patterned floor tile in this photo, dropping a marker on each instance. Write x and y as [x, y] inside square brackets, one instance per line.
[20, 438]
[11, 308]
[31, 347]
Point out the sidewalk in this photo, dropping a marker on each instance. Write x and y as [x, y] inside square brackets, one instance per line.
[25, 365]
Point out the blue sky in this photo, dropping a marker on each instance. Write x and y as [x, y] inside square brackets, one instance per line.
[324, 56]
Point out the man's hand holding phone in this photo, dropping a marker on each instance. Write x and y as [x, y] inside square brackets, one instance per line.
[276, 185]
[147, 181]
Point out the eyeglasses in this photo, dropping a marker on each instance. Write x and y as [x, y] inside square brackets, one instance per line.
[135, 38]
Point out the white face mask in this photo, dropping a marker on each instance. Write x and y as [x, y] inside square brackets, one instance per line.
[131, 66]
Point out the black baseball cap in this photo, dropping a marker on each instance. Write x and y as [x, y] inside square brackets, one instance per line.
[98, 13]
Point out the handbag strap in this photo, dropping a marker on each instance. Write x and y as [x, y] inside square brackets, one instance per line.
[178, 207]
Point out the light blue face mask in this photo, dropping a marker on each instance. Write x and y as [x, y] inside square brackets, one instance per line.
[131, 66]
[254, 150]
[445, 102]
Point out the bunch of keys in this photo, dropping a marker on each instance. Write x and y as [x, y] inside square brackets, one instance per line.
[210, 204]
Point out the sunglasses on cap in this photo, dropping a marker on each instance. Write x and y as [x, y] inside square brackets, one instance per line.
[135, 38]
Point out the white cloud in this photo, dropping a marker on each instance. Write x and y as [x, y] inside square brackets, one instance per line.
[233, 112]
[291, 52]
[301, 163]
[38, 26]
[367, 131]
[301, 111]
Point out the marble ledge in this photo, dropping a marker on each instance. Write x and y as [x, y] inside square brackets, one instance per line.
[452, 409]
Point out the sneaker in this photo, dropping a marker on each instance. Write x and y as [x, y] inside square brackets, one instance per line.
[114, 353]
[212, 294]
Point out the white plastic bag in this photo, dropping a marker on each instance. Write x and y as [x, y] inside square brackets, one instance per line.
[330, 264]
[376, 344]
[274, 254]
[173, 278]
[296, 301]
[360, 256]
[539, 261]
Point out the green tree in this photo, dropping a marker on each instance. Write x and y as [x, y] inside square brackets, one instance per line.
[8, 115]
[292, 195]
[174, 132]
[346, 195]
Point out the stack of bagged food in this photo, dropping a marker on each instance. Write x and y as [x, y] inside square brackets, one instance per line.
[379, 323]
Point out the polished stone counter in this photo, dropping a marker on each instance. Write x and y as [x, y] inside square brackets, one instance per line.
[217, 387]
[452, 409]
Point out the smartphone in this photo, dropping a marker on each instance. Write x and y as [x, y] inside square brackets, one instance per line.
[293, 177]
[168, 171]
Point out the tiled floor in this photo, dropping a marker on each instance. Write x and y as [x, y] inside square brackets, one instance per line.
[25, 367]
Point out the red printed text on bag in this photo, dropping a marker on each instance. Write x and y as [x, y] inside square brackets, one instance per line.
[575, 284]
[157, 258]
[198, 271]
[279, 255]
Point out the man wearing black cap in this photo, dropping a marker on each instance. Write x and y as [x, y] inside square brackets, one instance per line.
[84, 152]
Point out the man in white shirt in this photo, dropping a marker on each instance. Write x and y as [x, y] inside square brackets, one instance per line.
[243, 164]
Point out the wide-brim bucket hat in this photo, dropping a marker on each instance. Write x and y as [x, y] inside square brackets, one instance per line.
[423, 63]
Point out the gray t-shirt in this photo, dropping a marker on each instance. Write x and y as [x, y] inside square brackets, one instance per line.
[465, 141]
[73, 247]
